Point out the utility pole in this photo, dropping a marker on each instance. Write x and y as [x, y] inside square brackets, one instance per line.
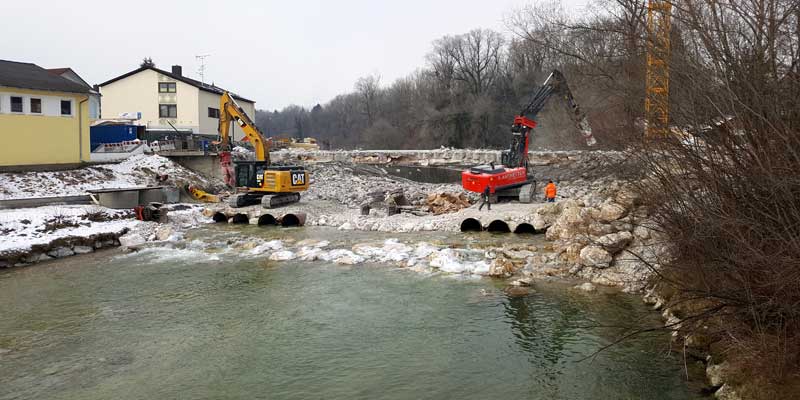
[201, 70]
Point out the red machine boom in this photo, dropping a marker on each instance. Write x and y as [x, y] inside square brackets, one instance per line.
[512, 176]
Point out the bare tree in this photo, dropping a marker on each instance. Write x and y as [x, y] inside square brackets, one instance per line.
[473, 58]
[368, 89]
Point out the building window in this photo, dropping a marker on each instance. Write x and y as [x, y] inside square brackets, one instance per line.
[168, 111]
[16, 104]
[66, 107]
[166, 87]
[213, 112]
[36, 106]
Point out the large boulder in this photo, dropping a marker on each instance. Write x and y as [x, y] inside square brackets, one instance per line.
[615, 242]
[541, 223]
[131, 240]
[82, 249]
[631, 275]
[568, 225]
[501, 267]
[611, 212]
[546, 215]
[726, 392]
[282, 255]
[595, 256]
[716, 373]
[626, 197]
[60, 252]
[571, 252]
[163, 232]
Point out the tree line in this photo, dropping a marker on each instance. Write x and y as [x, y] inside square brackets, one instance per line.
[466, 95]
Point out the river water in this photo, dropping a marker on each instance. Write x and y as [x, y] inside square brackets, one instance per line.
[171, 323]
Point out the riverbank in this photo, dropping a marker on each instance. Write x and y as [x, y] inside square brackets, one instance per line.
[596, 235]
[295, 329]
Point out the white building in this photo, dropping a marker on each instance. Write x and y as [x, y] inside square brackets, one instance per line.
[94, 97]
[168, 101]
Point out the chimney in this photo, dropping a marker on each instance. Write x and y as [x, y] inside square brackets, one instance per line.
[177, 70]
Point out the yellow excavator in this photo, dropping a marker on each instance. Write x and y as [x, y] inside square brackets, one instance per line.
[255, 181]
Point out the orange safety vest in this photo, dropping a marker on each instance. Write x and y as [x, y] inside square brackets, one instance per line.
[550, 191]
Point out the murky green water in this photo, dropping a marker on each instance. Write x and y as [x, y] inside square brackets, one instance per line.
[168, 324]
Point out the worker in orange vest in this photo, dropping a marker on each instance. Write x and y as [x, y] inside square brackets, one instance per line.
[550, 192]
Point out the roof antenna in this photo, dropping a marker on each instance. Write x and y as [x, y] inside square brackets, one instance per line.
[201, 70]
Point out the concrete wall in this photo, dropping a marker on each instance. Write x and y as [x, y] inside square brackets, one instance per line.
[210, 125]
[401, 157]
[205, 165]
[47, 138]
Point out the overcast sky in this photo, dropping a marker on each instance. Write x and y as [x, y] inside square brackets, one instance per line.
[274, 52]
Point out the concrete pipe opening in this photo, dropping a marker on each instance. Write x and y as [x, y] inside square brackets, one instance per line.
[298, 219]
[471, 225]
[240, 219]
[220, 217]
[498, 226]
[524, 228]
[267, 219]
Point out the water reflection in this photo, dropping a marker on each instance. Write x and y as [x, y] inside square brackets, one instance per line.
[96, 328]
[543, 329]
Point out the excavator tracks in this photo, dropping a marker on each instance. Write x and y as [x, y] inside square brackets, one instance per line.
[266, 200]
[277, 200]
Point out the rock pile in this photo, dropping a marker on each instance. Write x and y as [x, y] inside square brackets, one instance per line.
[441, 203]
[602, 237]
[355, 185]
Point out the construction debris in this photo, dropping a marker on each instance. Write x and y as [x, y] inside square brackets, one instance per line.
[446, 202]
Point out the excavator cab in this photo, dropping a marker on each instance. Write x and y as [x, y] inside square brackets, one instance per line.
[256, 181]
[259, 175]
[271, 185]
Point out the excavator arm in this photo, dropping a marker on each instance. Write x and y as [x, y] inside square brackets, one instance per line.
[555, 83]
[229, 111]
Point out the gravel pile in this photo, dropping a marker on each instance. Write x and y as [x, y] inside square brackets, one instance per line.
[354, 185]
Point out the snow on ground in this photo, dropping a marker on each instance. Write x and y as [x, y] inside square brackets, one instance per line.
[138, 170]
[26, 227]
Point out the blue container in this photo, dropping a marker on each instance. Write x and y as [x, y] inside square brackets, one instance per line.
[111, 134]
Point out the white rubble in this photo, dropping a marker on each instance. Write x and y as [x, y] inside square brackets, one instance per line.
[138, 170]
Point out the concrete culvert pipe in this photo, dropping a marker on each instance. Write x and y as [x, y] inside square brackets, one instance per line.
[240, 219]
[298, 219]
[471, 225]
[267, 219]
[498, 226]
[220, 217]
[525, 228]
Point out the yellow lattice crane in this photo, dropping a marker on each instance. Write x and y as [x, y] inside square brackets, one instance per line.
[656, 102]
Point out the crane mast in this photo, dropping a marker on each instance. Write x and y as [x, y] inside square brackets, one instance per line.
[656, 103]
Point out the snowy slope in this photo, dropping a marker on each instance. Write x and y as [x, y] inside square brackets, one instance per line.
[138, 170]
[25, 227]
